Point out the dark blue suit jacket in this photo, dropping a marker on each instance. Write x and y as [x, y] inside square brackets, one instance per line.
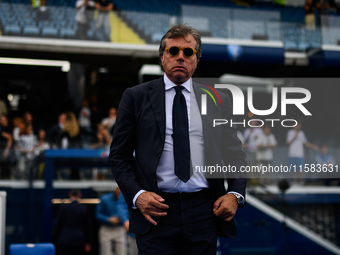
[140, 127]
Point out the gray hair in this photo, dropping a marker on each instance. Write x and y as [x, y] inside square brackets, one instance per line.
[181, 31]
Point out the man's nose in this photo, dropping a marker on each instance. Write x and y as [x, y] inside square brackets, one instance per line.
[180, 56]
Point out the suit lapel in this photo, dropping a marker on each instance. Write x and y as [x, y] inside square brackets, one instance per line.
[207, 120]
[157, 99]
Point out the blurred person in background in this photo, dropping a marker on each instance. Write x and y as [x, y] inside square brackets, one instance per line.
[71, 136]
[25, 146]
[324, 158]
[310, 15]
[6, 141]
[131, 237]
[56, 132]
[296, 141]
[110, 214]
[3, 107]
[39, 152]
[85, 122]
[103, 21]
[264, 153]
[71, 139]
[18, 125]
[102, 140]
[95, 108]
[110, 121]
[43, 12]
[84, 15]
[251, 137]
[103, 26]
[72, 230]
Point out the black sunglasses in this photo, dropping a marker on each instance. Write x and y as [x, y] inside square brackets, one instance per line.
[174, 50]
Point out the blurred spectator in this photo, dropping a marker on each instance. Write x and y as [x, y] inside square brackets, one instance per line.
[310, 15]
[251, 136]
[264, 154]
[42, 144]
[56, 132]
[5, 146]
[337, 6]
[25, 146]
[112, 237]
[3, 107]
[71, 139]
[72, 230]
[84, 16]
[43, 12]
[38, 152]
[71, 136]
[325, 158]
[131, 238]
[110, 121]
[28, 119]
[103, 27]
[85, 122]
[322, 6]
[103, 139]
[18, 125]
[95, 110]
[124, 215]
[296, 140]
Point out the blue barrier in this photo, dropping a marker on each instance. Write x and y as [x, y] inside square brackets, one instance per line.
[32, 249]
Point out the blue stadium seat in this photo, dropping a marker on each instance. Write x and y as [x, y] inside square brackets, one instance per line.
[68, 33]
[32, 249]
[49, 32]
[32, 31]
[12, 30]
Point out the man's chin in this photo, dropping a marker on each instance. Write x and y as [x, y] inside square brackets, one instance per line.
[179, 78]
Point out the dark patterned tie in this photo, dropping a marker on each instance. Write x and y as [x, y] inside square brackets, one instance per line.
[180, 136]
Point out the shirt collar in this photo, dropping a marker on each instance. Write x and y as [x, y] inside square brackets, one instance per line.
[169, 84]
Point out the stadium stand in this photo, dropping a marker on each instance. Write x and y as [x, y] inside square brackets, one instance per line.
[140, 22]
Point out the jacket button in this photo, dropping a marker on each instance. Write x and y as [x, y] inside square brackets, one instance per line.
[159, 156]
[154, 180]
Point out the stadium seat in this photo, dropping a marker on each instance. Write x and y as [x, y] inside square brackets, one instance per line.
[12, 30]
[32, 31]
[67, 33]
[49, 32]
[32, 249]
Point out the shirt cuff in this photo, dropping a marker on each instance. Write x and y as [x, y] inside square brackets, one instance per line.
[135, 198]
[236, 193]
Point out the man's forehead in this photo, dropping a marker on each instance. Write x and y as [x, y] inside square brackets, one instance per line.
[187, 39]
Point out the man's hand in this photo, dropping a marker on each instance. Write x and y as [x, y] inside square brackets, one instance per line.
[126, 225]
[114, 220]
[225, 207]
[151, 204]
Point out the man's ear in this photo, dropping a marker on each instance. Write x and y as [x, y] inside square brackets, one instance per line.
[196, 60]
[162, 58]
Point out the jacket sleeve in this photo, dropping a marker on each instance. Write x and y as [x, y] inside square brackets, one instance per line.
[233, 153]
[122, 148]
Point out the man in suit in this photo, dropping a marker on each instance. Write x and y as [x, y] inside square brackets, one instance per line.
[174, 209]
[72, 227]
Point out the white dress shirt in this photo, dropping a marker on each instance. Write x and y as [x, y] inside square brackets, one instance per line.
[167, 180]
